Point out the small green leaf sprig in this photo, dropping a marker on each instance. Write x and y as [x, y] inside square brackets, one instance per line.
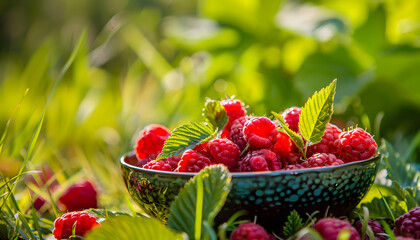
[313, 119]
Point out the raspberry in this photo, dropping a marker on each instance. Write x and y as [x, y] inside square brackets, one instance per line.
[158, 165]
[202, 149]
[249, 231]
[356, 145]
[63, 226]
[329, 228]
[224, 151]
[283, 145]
[237, 133]
[291, 117]
[234, 109]
[327, 142]
[260, 132]
[293, 167]
[79, 196]
[321, 160]
[173, 161]
[259, 160]
[408, 225]
[192, 161]
[150, 141]
[376, 228]
[404, 238]
[42, 182]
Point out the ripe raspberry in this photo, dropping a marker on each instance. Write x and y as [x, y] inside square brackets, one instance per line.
[329, 228]
[356, 145]
[293, 167]
[291, 117]
[234, 109]
[79, 196]
[327, 143]
[408, 225]
[249, 231]
[237, 134]
[202, 149]
[260, 132]
[376, 228]
[404, 238]
[63, 226]
[192, 161]
[224, 151]
[42, 181]
[283, 144]
[322, 160]
[173, 161]
[150, 141]
[158, 165]
[259, 160]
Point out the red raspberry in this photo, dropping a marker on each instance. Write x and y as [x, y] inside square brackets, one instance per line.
[329, 228]
[173, 161]
[259, 160]
[237, 132]
[42, 182]
[408, 225]
[291, 117]
[79, 196]
[224, 151]
[202, 149]
[150, 141]
[249, 231]
[260, 132]
[404, 238]
[234, 109]
[327, 142]
[283, 144]
[63, 226]
[356, 145]
[158, 165]
[192, 161]
[293, 167]
[322, 160]
[376, 228]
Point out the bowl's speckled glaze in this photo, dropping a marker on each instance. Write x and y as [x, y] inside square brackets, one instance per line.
[268, 195]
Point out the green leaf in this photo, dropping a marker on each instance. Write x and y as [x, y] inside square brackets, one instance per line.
[316, 113]
[127, 227]
[186, 137]
[293, 224]
[216, 182]
[215, 114]
[378, 207]
[296, 138]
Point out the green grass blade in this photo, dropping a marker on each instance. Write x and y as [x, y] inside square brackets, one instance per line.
[3, 136]
[26, 226]
[36, 221]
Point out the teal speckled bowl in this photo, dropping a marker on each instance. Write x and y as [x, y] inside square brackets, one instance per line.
[268, 195]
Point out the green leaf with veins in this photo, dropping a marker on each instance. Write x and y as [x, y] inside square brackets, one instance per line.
[186, 137]
[316, 114]
[296, 138]
[215, 114]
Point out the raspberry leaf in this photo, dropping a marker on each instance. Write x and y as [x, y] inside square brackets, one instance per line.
[296, 138]
[199, 202]
[316, 113]
[186, 137]
[215, 113]
[127, 227]
[293, 225]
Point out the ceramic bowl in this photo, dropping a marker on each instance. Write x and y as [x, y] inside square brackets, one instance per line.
[270, 196]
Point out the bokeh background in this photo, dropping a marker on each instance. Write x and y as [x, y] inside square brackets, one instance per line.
[156, 61]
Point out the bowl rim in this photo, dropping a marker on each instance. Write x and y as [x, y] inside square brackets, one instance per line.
[259, 173]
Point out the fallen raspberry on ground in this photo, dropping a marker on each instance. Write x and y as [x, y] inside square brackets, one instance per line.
[356, 145]
[224, 151]
[322, 160]
[192, 161]
[329, 228]
[63, 226]
[150, 141]
[249, 231]
[260, 132]
[291, 117]
[259, 160]
[376, 228]
[79, 196]
[408, 225]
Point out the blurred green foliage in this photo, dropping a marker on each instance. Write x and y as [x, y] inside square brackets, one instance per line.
[156, 62]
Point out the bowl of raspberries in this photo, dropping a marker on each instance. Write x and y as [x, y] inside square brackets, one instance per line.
[275, 165]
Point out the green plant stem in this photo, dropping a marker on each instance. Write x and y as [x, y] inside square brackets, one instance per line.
[199, 209]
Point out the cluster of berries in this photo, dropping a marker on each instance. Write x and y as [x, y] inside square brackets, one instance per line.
[407, 227]
[249, 143]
